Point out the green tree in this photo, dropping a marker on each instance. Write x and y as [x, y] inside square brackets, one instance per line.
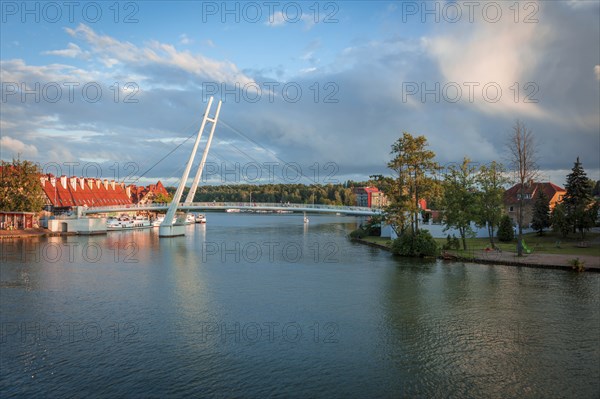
[559, 220]
[459, 199]
[20, 188]
[420, 244]
[522, 150]
[162, 198]
[578, 200]
[415, 167]
[491, 180]
[541, 213]
[506, 232]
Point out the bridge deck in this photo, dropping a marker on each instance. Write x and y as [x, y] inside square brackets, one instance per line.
[207, 206]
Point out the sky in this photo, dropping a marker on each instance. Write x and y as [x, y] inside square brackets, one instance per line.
[312, 92]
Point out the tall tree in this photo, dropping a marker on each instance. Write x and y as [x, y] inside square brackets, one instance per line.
[522, 155]
[459, 198]
[20, 188]
[578, 199]
[415, 169]
[491, 180]
[541, 213]
[559, 220]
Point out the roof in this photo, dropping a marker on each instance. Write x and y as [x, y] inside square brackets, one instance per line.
[533, 189]
[75, 191]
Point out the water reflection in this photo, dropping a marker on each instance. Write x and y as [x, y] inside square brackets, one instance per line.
[178, 317]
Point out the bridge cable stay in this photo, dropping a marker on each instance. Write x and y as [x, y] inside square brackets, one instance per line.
[168, 154]
[239, 133]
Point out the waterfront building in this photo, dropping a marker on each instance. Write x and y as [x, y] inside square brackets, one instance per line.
[531, 192]
[370, 197]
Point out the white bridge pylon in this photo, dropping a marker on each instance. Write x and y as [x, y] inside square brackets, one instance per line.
[167, 227]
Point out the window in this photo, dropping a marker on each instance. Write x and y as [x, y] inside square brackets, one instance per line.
[511, 209]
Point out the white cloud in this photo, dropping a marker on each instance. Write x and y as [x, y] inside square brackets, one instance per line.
[156, 53]
[500, 54]
[184, 39]
[17, 147]
[279, 18]
[72, 51]
[276, 19]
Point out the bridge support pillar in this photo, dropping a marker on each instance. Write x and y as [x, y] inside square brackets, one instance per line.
[173, 230]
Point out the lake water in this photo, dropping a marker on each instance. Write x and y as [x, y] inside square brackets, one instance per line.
[266, 306]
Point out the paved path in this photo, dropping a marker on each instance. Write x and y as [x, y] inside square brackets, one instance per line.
[538, 259]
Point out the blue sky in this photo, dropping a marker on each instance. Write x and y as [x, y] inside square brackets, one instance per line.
[459, 73]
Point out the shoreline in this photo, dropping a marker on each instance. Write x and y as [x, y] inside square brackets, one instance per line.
[543, 261]
[32, 233]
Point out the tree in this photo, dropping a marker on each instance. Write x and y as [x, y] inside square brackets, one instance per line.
[414, 165]
[578, 200]
[505, 229]
[522, 155]
[20, 188]
[459, 199]
[541, 213]
[491, 180]
[162, 198]
[559, 221]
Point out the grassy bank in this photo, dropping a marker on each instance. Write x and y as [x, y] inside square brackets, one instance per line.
[549, 243]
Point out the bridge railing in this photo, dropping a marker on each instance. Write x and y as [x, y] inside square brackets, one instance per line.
[232, 205]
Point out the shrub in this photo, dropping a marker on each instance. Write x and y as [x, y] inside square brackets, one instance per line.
[577, 264]
[505, 229]
[358, 233]
[420, 244]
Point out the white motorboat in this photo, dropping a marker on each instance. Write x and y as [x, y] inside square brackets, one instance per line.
[126, 222]
[306, 219]
[190, 219]
[200, 218]
[232, 210]
[161, 218]
[158, 220]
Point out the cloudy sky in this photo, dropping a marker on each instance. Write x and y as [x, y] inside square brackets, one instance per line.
[99, 89]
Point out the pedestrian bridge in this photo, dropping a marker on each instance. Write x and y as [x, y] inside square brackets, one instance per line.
[252, 206]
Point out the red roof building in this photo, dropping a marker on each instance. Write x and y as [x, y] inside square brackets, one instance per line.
[67, 192]
[531, 192]
[145, 195]
[370, 197]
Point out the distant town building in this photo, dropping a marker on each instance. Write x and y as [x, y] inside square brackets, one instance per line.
[67, 192]
[146, 195]
[64, 193]
[370, 197]
[531, 191]
[18, 220]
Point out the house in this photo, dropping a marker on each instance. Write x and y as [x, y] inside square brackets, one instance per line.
[64, 193]
[146, 195]
[531, 191]
[18, 220]
[370, 197]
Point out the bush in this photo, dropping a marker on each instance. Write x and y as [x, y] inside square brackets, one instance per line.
[420, 244]
[577, 264]
[358, 233]
[451, 243]
[505, 229]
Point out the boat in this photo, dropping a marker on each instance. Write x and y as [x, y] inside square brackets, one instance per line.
[126, 222]
[161, 218]
[232, 210]
[158, 220]
[190, 219]
[306, 219]
[200, 218]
